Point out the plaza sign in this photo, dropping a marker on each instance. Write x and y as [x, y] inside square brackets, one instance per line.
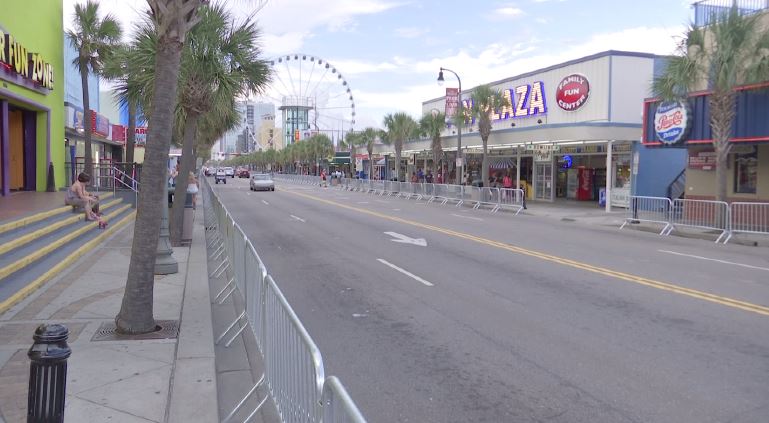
[525, 101]
[16, 60]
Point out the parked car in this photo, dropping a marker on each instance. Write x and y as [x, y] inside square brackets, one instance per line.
[243, 173]
[221, 175]
[209, 171]
[229, 172]
[261, 182]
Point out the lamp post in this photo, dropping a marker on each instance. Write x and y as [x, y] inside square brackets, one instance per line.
[460, 158]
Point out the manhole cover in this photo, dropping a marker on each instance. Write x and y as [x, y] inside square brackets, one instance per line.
[166, 329]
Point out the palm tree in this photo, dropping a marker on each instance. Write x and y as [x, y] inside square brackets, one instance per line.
[94, 38]
[122, 66]
[732, 51]
[367, 138]
[400, 126]
[173, 19]
[221, 61]
[485, 101]
[431, 126]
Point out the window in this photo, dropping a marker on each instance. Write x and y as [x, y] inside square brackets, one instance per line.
[746, 171]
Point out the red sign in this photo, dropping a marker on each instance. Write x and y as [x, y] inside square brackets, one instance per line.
[704, 160]
[141, 135]
[452, 102]
[118, 133]
[99, 124]
[572, 92]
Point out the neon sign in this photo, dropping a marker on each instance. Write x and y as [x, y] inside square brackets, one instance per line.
[525, 101]
[15, 58]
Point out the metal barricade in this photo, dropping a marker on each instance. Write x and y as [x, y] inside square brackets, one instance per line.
[293, 364]
[703, 214]
[510, 198]
[294, 368]
[487, 196]
[751, 218]
[337, 404]
[649, 209]
[377, 186]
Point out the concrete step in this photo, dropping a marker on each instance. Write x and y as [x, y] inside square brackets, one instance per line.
[22, 277]
[23, 235]
[28, 220]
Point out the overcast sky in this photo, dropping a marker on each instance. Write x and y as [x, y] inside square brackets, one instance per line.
[389, 51]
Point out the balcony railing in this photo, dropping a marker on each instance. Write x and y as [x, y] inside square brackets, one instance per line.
[706, 10]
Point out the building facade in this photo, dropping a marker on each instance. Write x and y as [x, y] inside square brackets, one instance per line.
[571, 131]
[244, 138]
[31, 97]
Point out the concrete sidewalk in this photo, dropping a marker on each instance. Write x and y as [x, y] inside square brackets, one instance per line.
[151, 380]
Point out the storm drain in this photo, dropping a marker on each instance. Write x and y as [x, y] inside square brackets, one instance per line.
[165, 329]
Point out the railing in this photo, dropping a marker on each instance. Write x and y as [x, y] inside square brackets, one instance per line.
[491, 198]
[293, 364]
[677, 188]
[727, 219]
[705, 11]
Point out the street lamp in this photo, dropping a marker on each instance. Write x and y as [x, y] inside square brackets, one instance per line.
[459, 127]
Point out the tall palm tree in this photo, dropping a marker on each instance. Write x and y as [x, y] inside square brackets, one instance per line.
[431, 126]
[368, 138]
[122, 67]
[94, 38]
[400, 127]
[221, 61]
[732, 51]
[485, 101]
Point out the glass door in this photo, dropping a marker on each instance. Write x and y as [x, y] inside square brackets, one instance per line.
[543, 181]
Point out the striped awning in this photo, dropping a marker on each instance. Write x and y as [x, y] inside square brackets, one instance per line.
[501, 163]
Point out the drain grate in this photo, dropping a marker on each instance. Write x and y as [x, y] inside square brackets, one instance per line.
[166, 329]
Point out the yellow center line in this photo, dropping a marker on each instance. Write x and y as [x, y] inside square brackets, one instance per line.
[706, 296]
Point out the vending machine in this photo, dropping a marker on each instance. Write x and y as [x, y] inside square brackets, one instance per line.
[584, 184]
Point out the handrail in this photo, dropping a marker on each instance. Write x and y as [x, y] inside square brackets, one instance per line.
[125, 175]
[680, 176]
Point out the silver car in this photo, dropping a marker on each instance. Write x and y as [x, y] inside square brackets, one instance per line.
[261, 182]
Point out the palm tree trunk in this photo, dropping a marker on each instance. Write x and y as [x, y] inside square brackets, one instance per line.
[398, 151]
[130, 143]
[135, 314]
[484, 163]
[87, 121]
[370, 162]
[722, 112]
[187, 165]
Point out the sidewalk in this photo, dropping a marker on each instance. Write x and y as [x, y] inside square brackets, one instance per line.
[133, 381]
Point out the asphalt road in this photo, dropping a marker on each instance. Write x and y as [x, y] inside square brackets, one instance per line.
[502, 318]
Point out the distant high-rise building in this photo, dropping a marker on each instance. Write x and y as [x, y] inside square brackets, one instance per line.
[244, 138]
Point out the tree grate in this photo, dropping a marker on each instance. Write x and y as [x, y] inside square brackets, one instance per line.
[165, 329]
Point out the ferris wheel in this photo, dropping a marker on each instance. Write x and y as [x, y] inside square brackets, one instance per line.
[311, 96]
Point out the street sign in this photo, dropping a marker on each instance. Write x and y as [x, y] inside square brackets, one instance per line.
[460, 161]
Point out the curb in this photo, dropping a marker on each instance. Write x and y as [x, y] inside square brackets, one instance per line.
[64, 264]
[193, 393]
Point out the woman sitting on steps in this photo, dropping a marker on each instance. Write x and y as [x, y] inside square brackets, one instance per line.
[78, 196]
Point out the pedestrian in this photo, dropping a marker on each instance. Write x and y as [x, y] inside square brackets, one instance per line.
[429, 177]
[414, 178]
[523, 189]
[439, 178]
[420, 175]
[323, 178]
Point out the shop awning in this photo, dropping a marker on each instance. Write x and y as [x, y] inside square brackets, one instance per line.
[340, 160]
[501, 163]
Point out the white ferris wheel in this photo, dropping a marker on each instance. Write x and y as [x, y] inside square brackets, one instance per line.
[311, 97]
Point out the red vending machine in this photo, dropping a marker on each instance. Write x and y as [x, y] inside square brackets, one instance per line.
[584, 184]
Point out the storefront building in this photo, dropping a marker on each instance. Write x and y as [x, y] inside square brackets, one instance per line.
[570, 133]
[748, 161]
[31, 97]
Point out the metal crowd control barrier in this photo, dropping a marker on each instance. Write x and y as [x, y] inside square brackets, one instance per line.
[649, 209]
[293, 364]
[337, 404]
[700, 214]
[511, 198]
[752, 218]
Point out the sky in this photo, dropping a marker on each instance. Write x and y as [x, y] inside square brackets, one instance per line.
[389, 51]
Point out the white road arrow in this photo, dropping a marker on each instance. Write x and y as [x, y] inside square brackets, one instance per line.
[407, 240]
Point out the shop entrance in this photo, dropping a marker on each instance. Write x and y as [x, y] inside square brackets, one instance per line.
[543, 181]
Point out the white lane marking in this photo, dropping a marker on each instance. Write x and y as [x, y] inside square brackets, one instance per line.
[298, 218]
[467, 217]
[405, 272]
[362, 202]
[396, 209]
[716, 260]
[382, 201]
[407, 240]
[265, 203]
[344, 198]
